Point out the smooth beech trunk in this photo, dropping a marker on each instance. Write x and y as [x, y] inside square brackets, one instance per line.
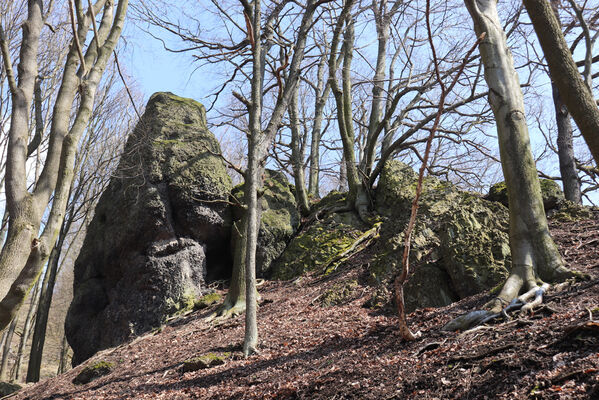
[534, 254]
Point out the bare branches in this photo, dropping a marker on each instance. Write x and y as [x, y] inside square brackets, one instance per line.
[76, 37]
[10, 75]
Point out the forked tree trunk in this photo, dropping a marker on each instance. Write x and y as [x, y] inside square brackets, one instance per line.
[534, 254]
[297, 156]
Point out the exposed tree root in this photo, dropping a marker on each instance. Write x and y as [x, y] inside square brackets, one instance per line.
[479, 317]
[231, 308]
[228, 309]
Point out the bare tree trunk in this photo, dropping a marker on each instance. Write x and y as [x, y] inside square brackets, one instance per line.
[297, 156]
[357, 197]
[63, 363]
[31, 315]
[572, 88]
[234, 303]
[43, 311]
[8, 334]
[565, 143]
[322, 94]
[565, 149]
[533, 250]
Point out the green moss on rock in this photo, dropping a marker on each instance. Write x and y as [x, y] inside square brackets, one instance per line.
[318, 246]
[278, 222]
[459, 245]
[92, 372]
[550, 190]
[207, 300]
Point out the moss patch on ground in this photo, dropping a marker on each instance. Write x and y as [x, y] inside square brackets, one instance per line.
[92, 372]
[205, 361]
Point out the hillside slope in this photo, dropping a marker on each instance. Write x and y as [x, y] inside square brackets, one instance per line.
[348, 351]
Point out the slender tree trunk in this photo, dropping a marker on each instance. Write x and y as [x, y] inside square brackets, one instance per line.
[573, 90]
[322, 95]
[63, 363]
[565, 143]
[31, 316]
[297, 156]
[565, 149]
[43, 311]
[6, 350]
[532, 248]
[234, 303]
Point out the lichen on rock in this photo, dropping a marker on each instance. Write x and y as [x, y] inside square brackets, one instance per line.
[551, 192]
[459, 246]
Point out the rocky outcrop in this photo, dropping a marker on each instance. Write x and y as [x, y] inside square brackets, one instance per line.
[460, 245]
[161, 225]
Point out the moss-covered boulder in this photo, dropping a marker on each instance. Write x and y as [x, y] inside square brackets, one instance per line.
[319, 246]
[279, 219]
[550, 190]
[460, 244]
[160, 227]
[92, 372]
[206, 361]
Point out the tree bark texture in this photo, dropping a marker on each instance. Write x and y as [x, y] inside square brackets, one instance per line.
[532, 248]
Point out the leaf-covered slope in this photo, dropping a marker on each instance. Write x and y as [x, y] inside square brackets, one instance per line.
[348, 351]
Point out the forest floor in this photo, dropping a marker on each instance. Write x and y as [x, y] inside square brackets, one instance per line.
[347, 351]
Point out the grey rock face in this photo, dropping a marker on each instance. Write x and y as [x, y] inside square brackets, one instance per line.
[159, 228]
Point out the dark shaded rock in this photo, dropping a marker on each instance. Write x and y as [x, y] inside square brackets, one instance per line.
[161, 225]
[7, 388]
[92, 372]
[279, 219]
[550, 190]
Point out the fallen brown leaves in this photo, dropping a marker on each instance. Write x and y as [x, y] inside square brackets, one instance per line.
[347, 351]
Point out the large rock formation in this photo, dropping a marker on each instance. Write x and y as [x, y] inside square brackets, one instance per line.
[161, 225]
